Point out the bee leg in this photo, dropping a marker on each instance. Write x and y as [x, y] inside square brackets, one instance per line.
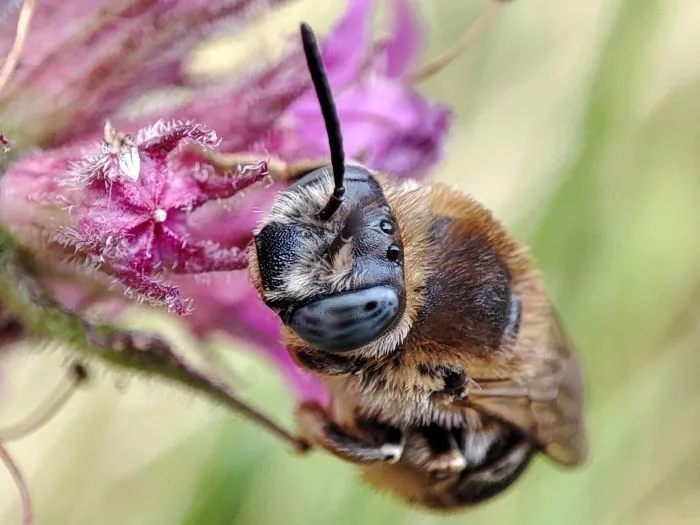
[330, 364]
[436, 450]
[493, 477]
[381, 444]
[455, 386]
[279, 170]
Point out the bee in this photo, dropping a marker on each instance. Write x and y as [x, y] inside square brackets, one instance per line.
[447, 364]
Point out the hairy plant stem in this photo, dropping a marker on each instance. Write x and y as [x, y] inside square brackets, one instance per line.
[135, 351]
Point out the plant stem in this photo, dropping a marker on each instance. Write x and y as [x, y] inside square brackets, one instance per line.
[136, 351]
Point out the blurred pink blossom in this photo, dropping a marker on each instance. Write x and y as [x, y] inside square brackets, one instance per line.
[387, 123]
[84, 59]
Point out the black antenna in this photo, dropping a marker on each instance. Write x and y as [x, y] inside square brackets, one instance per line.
[330, 118]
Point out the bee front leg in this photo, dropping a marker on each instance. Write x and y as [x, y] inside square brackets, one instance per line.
[378, 442]
[455, 386]
[329, 364]
[436, 450]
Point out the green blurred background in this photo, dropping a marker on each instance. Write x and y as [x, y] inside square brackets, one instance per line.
[579, 124]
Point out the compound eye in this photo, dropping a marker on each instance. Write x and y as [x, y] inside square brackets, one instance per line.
[346, 321]
[393, 253]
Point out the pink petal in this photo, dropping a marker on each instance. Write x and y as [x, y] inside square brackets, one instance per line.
[191, 256]
[233, 225]
[406, 40]
[151, 290]
[159, 139]
[195, 182]
[104, 224]
[345, 48]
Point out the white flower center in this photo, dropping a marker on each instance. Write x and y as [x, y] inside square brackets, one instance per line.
[159, 215]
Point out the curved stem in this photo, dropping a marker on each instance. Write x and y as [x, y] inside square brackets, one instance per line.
[132, 350]
[18, 478]
[57, 400]
[12, 59]
[472, 34]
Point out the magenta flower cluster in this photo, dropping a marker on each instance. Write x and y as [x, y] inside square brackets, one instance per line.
[140, 205]
[131, 210]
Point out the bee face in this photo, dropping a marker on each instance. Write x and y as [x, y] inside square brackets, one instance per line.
[338, 284]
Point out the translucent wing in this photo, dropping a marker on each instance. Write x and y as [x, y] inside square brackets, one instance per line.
[549, 408]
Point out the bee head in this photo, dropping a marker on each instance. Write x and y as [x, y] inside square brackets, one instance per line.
[329, 257]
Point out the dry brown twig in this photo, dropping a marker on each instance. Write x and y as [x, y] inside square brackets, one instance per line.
[12, 58]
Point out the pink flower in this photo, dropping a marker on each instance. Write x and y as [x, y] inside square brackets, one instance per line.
[126, 210]
[150, 212]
